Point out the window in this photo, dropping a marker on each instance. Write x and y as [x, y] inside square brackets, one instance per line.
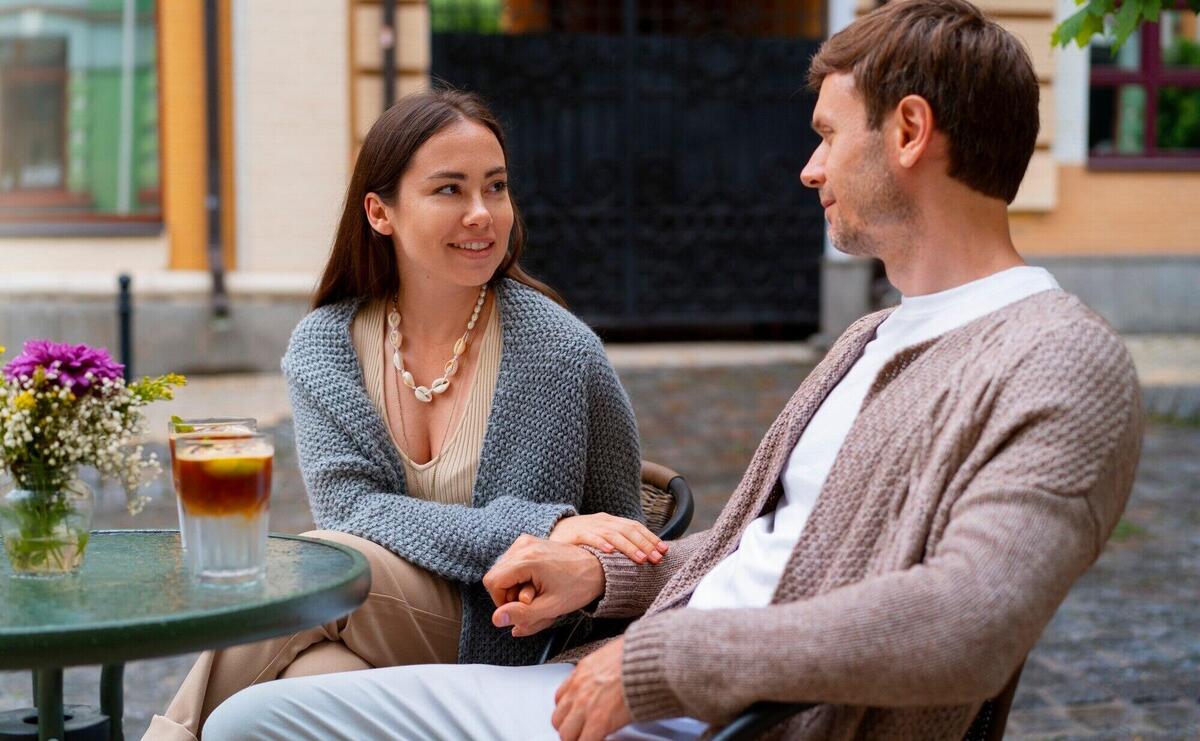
[1144, 109]
[79, 136]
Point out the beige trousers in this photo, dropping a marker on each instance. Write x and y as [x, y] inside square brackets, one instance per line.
[410, 616]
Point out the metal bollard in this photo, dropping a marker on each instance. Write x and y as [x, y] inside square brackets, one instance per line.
[125, 324]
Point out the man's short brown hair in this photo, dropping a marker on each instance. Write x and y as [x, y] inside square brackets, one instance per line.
[976, 77]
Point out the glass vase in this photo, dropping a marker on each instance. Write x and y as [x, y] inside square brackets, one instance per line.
[45, 522]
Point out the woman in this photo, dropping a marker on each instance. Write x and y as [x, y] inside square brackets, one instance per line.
[445, 403]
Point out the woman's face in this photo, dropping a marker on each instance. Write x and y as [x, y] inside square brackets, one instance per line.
[452, 217]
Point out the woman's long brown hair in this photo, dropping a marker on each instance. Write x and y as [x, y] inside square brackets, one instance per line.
[363, 262]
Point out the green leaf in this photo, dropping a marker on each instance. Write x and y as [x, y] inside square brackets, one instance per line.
[1152, 8]
[1069, 29]
[1092, 25]
[176, 420]
[1126, 22]
[1082, 25]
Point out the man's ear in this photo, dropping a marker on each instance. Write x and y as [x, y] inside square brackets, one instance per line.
[914, 129]
[377, 214]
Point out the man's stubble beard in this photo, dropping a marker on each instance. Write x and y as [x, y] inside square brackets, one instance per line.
[881, 203]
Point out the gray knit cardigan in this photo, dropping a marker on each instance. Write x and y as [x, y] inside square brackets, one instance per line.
[561, 440]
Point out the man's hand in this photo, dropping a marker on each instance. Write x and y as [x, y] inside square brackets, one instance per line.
[591, 703]
[536, 580]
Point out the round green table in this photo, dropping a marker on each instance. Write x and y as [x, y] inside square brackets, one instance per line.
[133, 600]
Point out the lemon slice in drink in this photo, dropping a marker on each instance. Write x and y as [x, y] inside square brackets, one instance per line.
[234, 467]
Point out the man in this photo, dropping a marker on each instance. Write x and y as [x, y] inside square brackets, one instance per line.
[915, 515]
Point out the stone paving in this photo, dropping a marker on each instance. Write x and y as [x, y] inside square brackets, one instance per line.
[1120, 660]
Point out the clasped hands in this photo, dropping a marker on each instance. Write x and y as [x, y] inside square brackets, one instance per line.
[537, 580]
[532, 584]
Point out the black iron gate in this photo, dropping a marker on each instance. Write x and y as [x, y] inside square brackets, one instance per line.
[655, 151]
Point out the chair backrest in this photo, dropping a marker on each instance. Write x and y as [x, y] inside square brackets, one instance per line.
[666, 501]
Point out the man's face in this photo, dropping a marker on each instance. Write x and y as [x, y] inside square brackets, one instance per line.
[853, 173]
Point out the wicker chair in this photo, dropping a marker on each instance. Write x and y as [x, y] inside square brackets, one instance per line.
[668, 507]
[762, 716]
[666, 501]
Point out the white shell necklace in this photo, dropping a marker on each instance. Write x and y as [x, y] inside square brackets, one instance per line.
[442, 382]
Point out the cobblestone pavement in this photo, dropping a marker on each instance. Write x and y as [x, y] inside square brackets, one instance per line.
[1120, 660]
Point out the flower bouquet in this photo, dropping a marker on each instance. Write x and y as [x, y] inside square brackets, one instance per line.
[65, 406]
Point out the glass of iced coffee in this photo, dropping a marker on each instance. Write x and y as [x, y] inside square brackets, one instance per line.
[208, 426]
[224, 492]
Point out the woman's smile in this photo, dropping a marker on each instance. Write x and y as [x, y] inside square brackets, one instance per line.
[478, 249]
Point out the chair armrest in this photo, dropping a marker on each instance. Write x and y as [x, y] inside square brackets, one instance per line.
[657, 475]
[561, 637]
[677, 525]
[758, 719]
[571, 634]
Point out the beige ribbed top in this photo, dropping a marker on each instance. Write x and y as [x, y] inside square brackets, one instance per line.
[450, 476]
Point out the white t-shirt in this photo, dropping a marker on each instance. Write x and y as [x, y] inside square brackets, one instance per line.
[749, 575]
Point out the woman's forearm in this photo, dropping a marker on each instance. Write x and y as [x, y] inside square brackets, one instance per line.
[348, 493]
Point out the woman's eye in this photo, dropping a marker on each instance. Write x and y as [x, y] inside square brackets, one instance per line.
[448, 189]
[499, 186]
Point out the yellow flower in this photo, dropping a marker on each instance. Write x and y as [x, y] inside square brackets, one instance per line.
[2, 348]
[25, 401]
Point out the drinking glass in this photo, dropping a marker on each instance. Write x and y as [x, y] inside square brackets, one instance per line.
[224, 491]
[214, 426]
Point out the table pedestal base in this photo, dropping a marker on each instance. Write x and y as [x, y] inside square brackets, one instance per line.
[80, 723]
[52, 720]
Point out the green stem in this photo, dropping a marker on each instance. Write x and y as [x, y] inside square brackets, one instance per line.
[36, 538]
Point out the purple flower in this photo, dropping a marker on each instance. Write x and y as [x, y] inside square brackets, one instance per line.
[67, 364]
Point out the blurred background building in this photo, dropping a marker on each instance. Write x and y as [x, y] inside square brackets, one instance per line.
[203, 146]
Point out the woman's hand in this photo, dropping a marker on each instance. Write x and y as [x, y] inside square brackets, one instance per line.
[608, 533]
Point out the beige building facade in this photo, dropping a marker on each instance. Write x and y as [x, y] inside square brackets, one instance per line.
[290, 72]
[301, 84]
[1119, 234]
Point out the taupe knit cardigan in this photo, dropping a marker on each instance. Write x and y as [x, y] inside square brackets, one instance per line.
[982, 476]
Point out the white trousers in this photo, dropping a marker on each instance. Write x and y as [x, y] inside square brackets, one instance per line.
[435, 701]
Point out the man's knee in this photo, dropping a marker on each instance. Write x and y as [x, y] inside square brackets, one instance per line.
[245, 715]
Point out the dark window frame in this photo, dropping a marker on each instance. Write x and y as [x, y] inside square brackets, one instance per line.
[1152, 75]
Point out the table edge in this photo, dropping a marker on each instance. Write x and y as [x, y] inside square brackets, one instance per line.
[85, 645]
